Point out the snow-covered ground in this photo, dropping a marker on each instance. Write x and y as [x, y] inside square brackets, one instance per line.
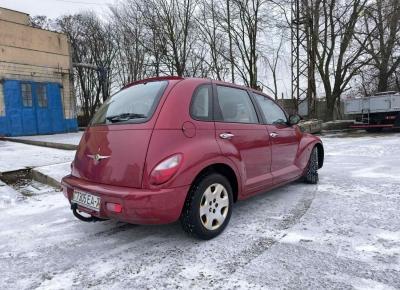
[56, 171]
[16, 156]
[66, 138]
[343, 233]
[8, 196]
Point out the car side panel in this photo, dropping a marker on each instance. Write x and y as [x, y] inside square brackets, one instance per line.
[285, 147]
[250, 150]
[306, 145]
[198, 152]
[176, 132]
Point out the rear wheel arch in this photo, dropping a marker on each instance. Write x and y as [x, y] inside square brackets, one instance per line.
[224, 170]
[321, 154]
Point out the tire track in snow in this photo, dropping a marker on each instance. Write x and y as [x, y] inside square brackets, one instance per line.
[265, 243]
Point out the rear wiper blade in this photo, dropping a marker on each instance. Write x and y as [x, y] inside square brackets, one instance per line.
[125, 117]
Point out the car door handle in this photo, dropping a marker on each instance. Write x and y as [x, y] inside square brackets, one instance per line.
[273, 134]
[226, 135]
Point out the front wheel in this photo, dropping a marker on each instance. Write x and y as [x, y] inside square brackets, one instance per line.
[208, 207]
[311, 175]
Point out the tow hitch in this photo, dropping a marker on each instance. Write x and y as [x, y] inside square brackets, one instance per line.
[74, 208]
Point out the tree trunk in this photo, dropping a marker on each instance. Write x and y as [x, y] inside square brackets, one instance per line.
[228, 12]
[383, 81]
[330, 107]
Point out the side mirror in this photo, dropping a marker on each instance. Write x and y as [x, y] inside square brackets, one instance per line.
[294, 119]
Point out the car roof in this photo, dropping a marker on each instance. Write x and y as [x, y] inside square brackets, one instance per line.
[161, 78]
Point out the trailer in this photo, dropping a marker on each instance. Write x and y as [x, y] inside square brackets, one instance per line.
[376, 112]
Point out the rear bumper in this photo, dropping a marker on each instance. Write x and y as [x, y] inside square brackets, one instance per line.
[139, 206]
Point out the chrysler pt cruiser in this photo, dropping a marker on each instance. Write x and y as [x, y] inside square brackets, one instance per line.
[171, 148]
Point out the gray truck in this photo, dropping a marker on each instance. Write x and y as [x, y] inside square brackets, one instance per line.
[373, 113]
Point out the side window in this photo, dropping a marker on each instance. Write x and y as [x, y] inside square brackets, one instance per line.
[41, 93]
[273, 114]
[200, 105]
[26, 91]
[2, 106]
[236, 106]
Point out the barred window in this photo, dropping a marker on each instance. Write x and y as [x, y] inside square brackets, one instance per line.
[26, 90]
[41, 93]
[2, 106]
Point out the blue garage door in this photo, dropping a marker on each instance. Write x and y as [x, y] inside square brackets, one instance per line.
[56, 108]
[33, 108]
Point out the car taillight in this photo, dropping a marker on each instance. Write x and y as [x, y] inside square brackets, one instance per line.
[166, 169]
[114, 207]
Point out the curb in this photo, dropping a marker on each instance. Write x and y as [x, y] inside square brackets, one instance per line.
[42, 143]
[30, 173]
[45, 179]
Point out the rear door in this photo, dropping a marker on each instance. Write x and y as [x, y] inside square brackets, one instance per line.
[284, 140]
[241, 137]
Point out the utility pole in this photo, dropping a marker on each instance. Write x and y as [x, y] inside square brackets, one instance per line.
[303, 57]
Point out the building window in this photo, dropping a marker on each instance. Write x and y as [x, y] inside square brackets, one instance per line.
[41, 93]
[2, 106]
[26, 90]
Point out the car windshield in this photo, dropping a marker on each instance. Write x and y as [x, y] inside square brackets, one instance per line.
[135, 104]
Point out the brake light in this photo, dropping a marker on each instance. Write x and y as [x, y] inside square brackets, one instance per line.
[166, 169]
[114, 207]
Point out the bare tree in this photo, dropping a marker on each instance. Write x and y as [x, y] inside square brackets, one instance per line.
[214, 37]
[382, 30]
[91, 45]
[272, 64]
[242, 22]
[339, 56]
[175, 17]
[228, 39]
[229, 29]
[42, 21]
[128, 37]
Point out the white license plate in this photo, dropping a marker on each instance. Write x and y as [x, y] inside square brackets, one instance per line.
[86, 200]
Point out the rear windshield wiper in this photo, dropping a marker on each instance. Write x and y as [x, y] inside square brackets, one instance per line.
[125, 117]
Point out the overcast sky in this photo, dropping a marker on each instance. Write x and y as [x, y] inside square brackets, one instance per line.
[55, 8]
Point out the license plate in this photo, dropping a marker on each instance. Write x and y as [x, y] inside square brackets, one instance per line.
[86, 200]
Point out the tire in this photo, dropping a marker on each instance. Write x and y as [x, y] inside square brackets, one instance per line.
[311, 175]
[208, 207]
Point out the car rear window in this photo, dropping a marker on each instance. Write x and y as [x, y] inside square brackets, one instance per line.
[200, 107]
[135, 104]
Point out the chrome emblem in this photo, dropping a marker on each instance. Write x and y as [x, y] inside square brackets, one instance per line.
[98, 157]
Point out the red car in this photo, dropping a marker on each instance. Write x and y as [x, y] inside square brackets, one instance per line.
[171, 148]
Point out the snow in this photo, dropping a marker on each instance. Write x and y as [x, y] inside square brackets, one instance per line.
[8, 196]
[16, 156]
[55, 171]
[343, 233]
[65, 138]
